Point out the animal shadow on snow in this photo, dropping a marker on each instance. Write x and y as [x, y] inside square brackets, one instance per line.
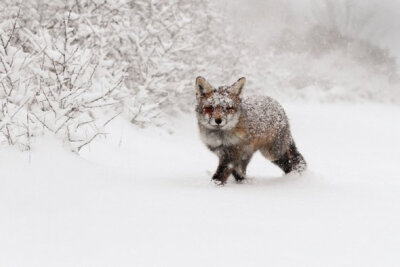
[257, 181]
[285, 179]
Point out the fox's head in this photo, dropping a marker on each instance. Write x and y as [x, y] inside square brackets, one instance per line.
[218, 108]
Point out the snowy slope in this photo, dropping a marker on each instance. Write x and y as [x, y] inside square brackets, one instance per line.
[143, 198]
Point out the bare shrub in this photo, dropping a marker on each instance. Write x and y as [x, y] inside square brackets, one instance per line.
[69, 66]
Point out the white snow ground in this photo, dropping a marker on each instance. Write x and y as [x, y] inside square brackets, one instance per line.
[143, 198]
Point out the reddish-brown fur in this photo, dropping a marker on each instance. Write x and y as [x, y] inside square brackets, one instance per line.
[234, 129]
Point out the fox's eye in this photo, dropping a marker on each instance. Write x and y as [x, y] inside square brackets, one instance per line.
[230, 109]
[208, 109]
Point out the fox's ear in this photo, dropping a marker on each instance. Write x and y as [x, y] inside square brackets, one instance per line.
[202, 86]
[237, 87]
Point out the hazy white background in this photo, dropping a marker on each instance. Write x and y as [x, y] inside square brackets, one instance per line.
[137, 191]
[261, 18]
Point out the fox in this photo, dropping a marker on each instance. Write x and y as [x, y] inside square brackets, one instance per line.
[235, 127]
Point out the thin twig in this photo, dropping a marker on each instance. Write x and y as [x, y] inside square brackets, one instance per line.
[90, 140]
[44, 124]
[108, 121]
[12, 31]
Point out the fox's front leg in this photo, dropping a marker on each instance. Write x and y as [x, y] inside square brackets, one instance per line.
[239, 171]
[239, 175]
[223, 171]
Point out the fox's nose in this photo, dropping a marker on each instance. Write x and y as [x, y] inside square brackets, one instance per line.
[218, 121]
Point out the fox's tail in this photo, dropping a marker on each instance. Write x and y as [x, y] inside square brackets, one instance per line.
[291, 160]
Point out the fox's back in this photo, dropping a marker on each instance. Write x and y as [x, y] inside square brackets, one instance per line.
[263, 116]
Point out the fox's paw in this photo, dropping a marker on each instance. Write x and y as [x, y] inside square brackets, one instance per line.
[239, 178]
[218, 182]
[244, 181]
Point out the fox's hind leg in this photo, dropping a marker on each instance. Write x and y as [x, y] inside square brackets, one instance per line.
[291, 160]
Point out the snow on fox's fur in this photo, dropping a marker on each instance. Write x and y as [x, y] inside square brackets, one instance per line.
[235, 128]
